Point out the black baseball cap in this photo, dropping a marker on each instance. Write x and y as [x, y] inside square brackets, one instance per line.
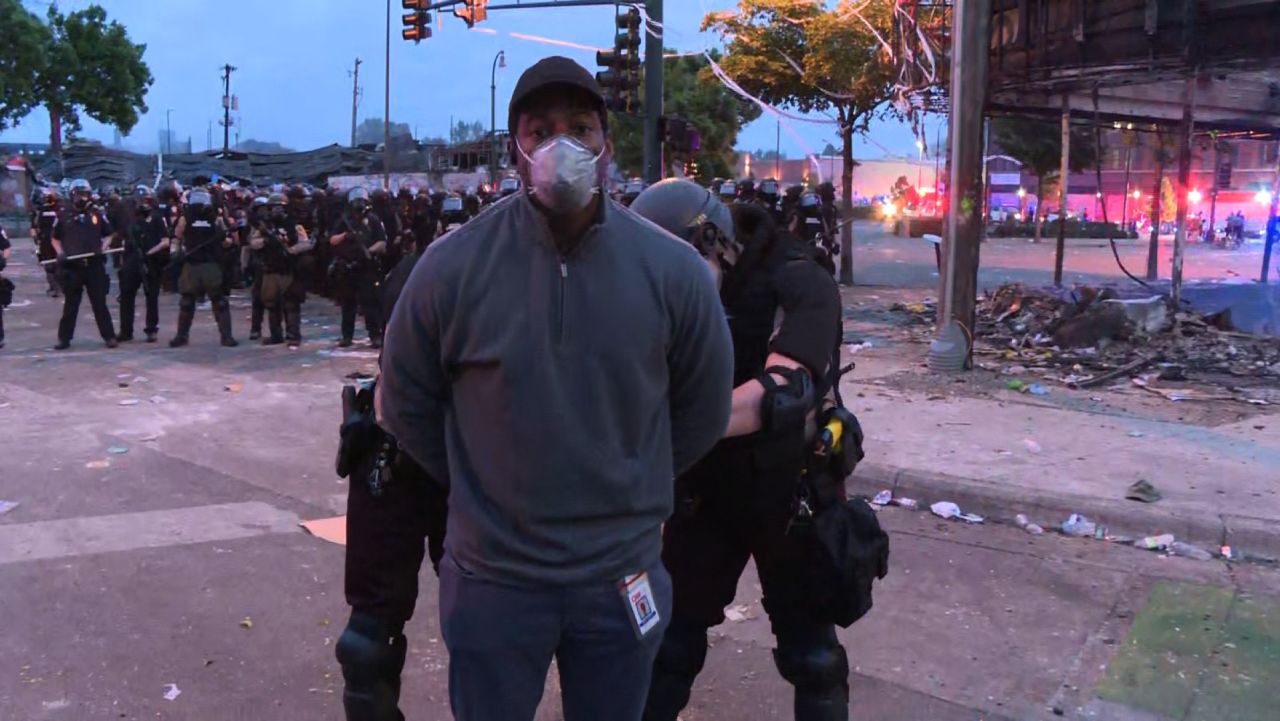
[554, 70]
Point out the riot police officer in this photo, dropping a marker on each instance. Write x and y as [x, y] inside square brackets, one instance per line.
[746, 190]
[257, 311]
[738, 502]
[146, 253]
[767, 196]
[44, 217]
[202, 239]
[278, 242]
[358, 240]
[6, 285]
[79, 239]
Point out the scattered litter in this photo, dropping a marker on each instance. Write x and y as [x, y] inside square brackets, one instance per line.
[738, 613]
[945, 509]
[124, 375]
[128, 402]
[117, 450]
[1178, 548]
[1078, 526]
[122, 384]
[1136, 434]
[883, 498]
[971, 518]
[56, 705]
[98, 464]
[171, 691]
[1156, 543]
[1143, 491]
[1226, 552]
[1172, 372]
[333, 530]
[6, 506]
[149, 438]
[1025, 524]
[910, 504]
[246, 622]
[1036, 389]
[1016, 385]
[1031, 445]
[233, 387]
[140, 379]
[157, 400]
[1014, 370]
[856, 348]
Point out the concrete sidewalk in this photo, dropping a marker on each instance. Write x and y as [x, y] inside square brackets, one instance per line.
[999, 453]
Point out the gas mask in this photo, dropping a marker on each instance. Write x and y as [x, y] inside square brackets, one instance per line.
[562, 174]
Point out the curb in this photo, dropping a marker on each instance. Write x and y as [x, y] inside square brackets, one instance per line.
[1255, 538]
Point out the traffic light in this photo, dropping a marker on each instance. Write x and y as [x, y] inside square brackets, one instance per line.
[620, 80]
[417, 24]
[473, 11]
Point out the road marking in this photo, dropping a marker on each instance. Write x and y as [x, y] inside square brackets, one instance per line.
[90, 535]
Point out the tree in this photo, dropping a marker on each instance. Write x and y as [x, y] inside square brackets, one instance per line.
[262, 146]
[761, 154]
[464, 132]
[90, 66]
[690, 92]
[1037, 144]
[24, 43]
[370, 132]
[803, 56]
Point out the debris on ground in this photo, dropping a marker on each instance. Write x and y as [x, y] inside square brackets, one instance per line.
[1085, 335]
[6, 506]
[1143, 491]
[98, 464]
[246, 622]
[232, 387]
[949, 510]
[1077, 526]
[1156, 543]
[1031, 445]
[171, 691]
[117, 450]
[128, 402]
[741, 612]
[910, 504]
[1178, 548]
[882, 498]
[1025, 524]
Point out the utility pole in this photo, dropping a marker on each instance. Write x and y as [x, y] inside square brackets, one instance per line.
[1153, 247]
[653, 90]
[355, 100]
[208, 138]
[961, 241]
[386, 110]
[1184, 180]
[777, 150]
[226, 106]
[1272, 231]
[1063, 172]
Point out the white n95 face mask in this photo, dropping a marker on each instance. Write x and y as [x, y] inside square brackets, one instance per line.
[562, 173]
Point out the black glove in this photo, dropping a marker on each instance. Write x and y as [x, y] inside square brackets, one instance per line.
[371, 651]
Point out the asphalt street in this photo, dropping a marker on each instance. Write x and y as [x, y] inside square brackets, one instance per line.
[154, 569]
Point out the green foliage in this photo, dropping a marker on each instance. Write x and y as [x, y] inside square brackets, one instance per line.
[370, 132]
[1075, 229]
[1037, 144]
[691, 92]
[24, 43]
[92, 67]
[464, 132]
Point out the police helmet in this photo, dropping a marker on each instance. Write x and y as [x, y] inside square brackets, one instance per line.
[827, 191]
[199, 199]
[80, 185]
[141, 191]
[728, 189]
[769, 187]
[357, 194]
[808, 199]
[276, 199]
[691, 213]
[260, 201]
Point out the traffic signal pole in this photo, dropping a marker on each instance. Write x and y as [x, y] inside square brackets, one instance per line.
[653, 92]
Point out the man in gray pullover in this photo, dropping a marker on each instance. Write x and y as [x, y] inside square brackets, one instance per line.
[556, 362]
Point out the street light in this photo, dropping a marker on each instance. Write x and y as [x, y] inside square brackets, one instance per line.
[1194, 197]
[919, 161]
[1137, 194]
[1263, 197]
[499, 61]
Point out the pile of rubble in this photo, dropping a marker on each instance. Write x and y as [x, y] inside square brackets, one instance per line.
[1091, 336]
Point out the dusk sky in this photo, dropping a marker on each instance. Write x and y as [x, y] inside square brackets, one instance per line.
[294, 58]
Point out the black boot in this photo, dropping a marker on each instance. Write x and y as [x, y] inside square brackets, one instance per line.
[273, 323]
[255, 320]
[186, 315]
[222, 315]
[293, 323]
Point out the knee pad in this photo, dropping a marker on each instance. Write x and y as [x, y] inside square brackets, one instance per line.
[370, 651]
[815, 666]
[683, 651]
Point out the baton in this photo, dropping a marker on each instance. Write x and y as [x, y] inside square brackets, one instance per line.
[84, 255]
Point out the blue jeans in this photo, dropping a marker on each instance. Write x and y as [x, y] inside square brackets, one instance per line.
[501, 640]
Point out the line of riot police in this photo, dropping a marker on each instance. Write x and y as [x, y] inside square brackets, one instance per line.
[280, 243]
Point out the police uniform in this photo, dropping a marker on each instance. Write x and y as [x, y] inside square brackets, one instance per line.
[737, 502]
[354, 273]
[278, 242]
[43, 222]
[142, 267]
[202, 236]
[6, 285]
[80, 233]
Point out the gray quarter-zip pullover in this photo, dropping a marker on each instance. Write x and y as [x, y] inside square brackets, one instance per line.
[557, 396]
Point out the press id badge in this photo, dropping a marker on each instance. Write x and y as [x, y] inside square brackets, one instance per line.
[639, 596]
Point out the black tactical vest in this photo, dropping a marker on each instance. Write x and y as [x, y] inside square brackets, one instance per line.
[201, 241]
[81, 234]
[274, 255]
